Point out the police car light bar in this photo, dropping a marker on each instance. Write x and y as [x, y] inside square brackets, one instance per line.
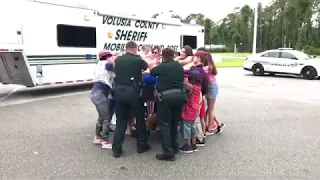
[285, 48]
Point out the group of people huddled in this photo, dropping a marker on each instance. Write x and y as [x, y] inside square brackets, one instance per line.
[167, 91]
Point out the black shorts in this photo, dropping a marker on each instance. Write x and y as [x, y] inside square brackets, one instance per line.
[147, 93]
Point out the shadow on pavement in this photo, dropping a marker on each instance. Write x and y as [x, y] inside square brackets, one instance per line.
[37, 92]
[281, 76]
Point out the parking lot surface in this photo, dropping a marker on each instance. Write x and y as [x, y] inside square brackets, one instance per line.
[272, 132]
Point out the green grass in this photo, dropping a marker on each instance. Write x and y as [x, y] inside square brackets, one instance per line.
[243, 55]
[230, 62]
[232, 54]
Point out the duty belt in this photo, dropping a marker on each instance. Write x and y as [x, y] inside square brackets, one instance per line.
[123, 85]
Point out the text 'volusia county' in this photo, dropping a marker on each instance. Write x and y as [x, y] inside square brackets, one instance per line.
[117, 21]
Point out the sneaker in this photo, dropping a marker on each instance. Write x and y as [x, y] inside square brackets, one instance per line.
[220, 128]
[106, 145]
[128, 132]
[214, 127]
[200, 143]
[209, 132]
[186, 149]
[97, 140]
[194, 148]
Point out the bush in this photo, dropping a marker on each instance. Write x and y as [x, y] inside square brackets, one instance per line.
[311, 50]
[220, 50]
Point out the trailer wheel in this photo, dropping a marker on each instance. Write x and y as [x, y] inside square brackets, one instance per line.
[309, 73]
[257, 70]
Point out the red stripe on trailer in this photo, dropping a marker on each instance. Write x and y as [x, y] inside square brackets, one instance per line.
[4, 50]
[66, 82]
[19, 50]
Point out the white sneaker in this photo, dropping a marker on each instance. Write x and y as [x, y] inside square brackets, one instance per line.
[128, 132]
[97, 140]
[106, 145]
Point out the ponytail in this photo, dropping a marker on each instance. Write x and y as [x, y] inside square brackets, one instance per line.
[206, 60]
[212, 66]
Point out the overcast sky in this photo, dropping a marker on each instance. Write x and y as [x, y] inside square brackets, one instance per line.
[215, 9]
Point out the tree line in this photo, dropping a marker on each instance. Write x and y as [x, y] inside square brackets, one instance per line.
[282, 23]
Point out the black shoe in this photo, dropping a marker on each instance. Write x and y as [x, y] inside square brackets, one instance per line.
[220, 128]
[194, 148]
[116, 154]
[163, 157]
[201, 143]
[145, 148]
[186, 149]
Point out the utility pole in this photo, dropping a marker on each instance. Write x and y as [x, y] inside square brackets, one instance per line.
[255, 28]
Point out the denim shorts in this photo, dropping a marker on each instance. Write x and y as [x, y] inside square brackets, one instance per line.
[189, 129]
[213, 90]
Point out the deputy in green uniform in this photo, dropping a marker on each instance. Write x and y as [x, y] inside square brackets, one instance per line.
[128, 70]
[172, 98]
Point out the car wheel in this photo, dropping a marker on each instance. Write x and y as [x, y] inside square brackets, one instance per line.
[257, 70]
[309, 73]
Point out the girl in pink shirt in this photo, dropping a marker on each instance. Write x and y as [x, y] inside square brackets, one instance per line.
[212, 94]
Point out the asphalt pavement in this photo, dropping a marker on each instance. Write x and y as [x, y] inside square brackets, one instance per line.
[272, 132]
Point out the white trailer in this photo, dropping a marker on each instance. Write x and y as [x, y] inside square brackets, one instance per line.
[43, 43]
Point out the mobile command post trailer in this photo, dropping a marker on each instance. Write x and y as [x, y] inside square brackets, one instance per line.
[43, 43]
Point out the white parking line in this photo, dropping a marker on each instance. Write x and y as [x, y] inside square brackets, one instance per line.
[23, 101]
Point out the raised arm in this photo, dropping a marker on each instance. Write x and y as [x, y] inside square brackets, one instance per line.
[156, 70]
[186, 61]
[110, 64]
[143, 64]
[188, 86]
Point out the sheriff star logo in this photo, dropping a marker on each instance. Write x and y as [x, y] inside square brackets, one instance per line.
[110, 34]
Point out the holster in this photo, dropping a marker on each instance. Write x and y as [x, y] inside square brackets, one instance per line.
[165, 93]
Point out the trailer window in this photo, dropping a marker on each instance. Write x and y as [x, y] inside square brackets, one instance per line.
[76, 36]
[190, 41]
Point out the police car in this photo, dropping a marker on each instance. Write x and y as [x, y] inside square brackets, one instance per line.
[283, 61]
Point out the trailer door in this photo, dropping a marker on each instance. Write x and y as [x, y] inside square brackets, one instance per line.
[14, 68]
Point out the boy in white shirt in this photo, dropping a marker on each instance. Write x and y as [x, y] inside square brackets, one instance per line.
[104, 81]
